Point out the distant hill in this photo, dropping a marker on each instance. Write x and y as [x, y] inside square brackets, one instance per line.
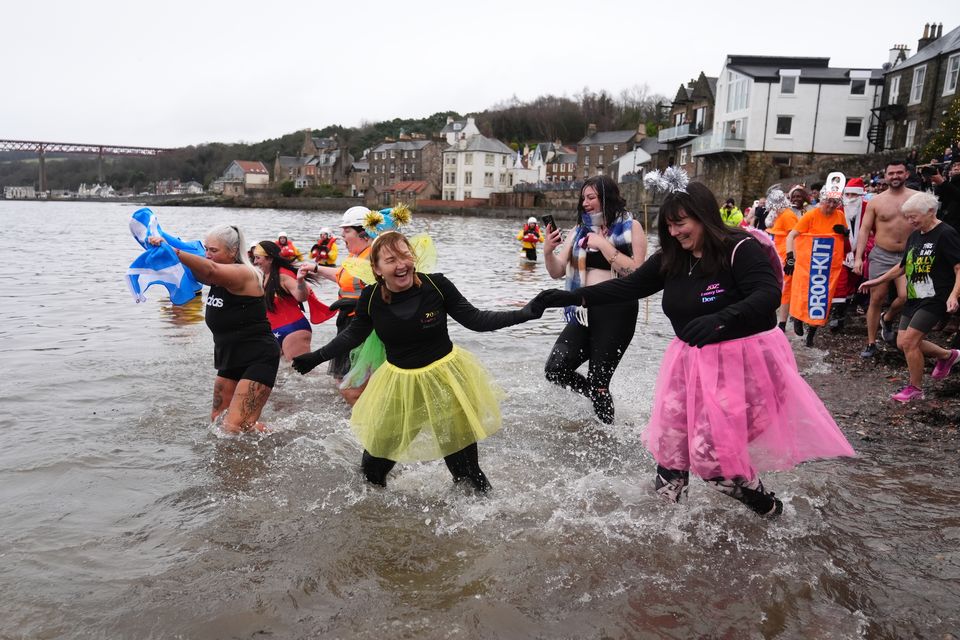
[512, 121]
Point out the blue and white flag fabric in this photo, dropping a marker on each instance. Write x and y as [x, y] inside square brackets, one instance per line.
[159, 264]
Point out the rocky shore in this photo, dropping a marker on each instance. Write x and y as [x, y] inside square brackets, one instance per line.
[857, 391]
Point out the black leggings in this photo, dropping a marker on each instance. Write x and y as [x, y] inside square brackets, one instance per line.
[603, 343]
[464, 465]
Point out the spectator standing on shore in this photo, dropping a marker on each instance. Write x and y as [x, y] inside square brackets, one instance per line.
[890, 229]
[948, 190]
[730, 214]
[931, 264]
[760, 214]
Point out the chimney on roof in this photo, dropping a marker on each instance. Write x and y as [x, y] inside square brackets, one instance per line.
[449, 119]
[591, 129]
[929, 35]
[939, 29]
[898, 53]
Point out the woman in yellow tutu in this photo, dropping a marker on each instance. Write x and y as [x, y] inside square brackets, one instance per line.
[430, 399]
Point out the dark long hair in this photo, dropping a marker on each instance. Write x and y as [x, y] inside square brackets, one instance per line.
[610, 199]
[272, 286]
[699, 203]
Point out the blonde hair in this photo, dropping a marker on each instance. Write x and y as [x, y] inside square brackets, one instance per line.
[397, 243]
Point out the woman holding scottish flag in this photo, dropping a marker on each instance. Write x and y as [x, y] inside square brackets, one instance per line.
[245, 352]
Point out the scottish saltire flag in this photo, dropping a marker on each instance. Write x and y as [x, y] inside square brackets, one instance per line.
[159, 264]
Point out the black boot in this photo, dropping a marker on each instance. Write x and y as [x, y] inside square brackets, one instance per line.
[782, 326]
[838, 313]
[375, 469]
[811, 331]
[464, 466]
[751, 494]
[603, 405]
[671, 484]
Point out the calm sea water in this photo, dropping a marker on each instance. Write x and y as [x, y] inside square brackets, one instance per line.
[124, 515]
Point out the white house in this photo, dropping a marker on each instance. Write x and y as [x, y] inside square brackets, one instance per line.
[456, 130]
[20, 193]
[630, 162]
[475, 167]
[791, 105]
[253, 174]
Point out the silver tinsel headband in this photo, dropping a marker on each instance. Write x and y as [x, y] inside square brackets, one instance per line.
[669, 181]
[776, 199]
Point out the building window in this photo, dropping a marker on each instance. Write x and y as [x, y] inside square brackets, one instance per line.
[738, 92]
[615, 147]
[916, 89]
[467, 195]
[911, 133]
[468, 177]
[451, 159]
[488, 159]
[894, 96]
[858, 87]
[586, 149]
[488, 179]
[784, 124]
[788, 85]
[888, 135]
[600, 149]
[953, 70]
[449, 178]
[468, 158]
[852, 129]
[684, 155]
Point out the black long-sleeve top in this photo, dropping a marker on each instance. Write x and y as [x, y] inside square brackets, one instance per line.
[413, 326]
[745, 297]
[949, 194]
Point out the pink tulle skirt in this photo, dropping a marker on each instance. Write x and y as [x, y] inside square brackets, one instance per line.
[738, 407]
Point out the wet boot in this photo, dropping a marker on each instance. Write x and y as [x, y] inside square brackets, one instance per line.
[811, 331]
[671, 484]
[838, 314]
[750, 493]
[375, 469]
[782, 326]
[602, 405]
[464, 466]
[798, 326]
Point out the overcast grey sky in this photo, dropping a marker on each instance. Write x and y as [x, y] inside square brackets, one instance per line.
[179, 73]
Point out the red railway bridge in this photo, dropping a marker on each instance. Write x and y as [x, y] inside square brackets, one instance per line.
[99, 150]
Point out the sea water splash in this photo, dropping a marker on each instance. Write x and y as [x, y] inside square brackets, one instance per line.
[124, 516]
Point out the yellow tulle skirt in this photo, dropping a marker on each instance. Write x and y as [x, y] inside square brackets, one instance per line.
[427, 413]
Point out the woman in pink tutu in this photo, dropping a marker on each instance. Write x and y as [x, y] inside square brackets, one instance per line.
[729, 402]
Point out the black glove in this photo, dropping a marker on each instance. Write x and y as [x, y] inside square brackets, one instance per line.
[535, 308]
[789, 264]
[309, 361]
[559, 298]
[344, 303]
[703, 330]
[841, 229]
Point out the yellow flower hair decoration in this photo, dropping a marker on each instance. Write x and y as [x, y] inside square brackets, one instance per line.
[373, 219]
[401, 214]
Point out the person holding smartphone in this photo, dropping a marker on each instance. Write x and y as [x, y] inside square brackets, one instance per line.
[606, 243]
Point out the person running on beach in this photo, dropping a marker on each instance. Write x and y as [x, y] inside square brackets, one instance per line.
[729, 402]
[430, 399]
[931, 264]
[245, 352]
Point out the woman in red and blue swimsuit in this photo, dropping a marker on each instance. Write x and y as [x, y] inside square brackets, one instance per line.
[284, 293]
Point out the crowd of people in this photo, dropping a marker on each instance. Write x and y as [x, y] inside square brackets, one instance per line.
[729, 403]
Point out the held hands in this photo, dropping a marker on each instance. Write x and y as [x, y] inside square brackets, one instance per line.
[703, 330]
[304, 269]
[841, 230]
[309, 361]
[789, 264]
[535, 308]
[559, 298]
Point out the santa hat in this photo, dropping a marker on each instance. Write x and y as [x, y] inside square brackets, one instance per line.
[854, 185]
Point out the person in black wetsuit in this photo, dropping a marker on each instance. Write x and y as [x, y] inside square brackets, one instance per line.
[729, 402]
[245, 352]
[430, 399]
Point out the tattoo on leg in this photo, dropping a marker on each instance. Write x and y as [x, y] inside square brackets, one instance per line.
[252, 404]
[217, 396]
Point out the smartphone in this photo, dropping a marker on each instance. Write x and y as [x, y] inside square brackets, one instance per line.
[548, 222]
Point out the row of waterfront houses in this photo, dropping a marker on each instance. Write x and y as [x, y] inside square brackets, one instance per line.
[760, 120]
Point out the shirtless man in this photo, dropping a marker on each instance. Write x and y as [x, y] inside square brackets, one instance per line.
[890, 229]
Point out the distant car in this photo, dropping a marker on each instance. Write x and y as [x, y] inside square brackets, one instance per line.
[144, 193]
